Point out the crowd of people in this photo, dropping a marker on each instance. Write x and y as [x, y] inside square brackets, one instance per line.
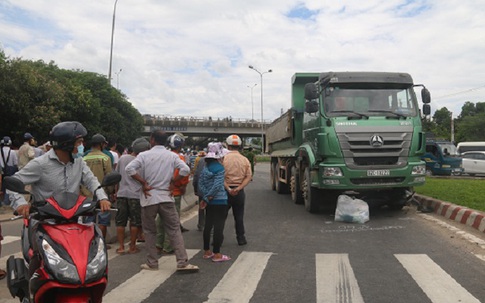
[155, 174]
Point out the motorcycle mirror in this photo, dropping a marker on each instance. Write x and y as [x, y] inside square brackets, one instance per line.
[14, 184]
[111, 179]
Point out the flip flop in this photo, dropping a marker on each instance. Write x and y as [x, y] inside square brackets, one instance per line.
[208, 256]
[3, 274]
[221, 259]
[134, 251]
[120, 251]
[188, 268]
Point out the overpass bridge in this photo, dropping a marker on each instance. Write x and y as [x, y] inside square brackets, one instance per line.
[205, 127]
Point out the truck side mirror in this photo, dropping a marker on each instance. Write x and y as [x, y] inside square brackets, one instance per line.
[425, 96]
[426, 109]
[311, 91]
[311, 106]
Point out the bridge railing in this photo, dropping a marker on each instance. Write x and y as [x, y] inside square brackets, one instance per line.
[187, 121]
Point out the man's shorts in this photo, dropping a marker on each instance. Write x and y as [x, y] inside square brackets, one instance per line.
[128, 209]
[104, 218]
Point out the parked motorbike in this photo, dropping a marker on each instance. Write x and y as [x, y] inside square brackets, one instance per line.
[63, 260]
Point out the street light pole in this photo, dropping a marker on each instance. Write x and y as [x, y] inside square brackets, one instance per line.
[118, 78]
[112, 36]
[252, 104]
[262, 121]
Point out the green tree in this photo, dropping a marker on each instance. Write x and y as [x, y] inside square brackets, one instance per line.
[35, 96]
[442, 123]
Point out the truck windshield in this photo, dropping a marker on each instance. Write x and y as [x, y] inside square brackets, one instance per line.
[448, 149]
[395, 102]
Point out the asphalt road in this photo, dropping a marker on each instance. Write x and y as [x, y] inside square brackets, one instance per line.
[295, 256]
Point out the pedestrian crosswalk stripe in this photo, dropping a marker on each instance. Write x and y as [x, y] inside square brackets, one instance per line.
[140, 286]
[9, 239]
[243, 275]
[335, 279]
[437, 284]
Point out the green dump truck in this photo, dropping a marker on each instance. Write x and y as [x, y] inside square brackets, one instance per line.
[357, 132]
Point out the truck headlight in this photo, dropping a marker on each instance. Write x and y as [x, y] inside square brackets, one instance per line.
[62, 270]
[332, 172]
[419, 170]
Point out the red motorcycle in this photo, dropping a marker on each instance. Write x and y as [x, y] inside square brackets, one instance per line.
[63, 260]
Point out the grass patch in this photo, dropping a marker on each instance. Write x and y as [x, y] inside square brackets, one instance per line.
[261, 159]
[465, 192]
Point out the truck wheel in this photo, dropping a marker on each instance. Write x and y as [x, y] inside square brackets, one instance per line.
[310, 194]
[295, 187]
[271, 176]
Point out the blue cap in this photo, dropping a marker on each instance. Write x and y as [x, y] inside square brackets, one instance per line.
[28, 136]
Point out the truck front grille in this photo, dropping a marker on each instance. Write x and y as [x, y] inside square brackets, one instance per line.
[360, 154]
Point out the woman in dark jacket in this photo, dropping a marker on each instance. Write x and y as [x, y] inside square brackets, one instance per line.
[214, 200]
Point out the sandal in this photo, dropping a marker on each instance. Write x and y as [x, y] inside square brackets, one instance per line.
[188, 268]
[208, 255]
[3, 274]
[134, 250]
[221, 259]
[120, 251]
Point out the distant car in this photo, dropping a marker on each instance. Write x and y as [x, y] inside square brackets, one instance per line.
[473, 162]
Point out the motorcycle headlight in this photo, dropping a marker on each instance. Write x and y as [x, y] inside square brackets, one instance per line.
[62, 270]
[97, 266]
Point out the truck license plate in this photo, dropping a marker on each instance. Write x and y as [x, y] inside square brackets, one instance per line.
[378, 173]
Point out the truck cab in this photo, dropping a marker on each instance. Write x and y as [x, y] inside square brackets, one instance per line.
[358, 132]
[442, 158]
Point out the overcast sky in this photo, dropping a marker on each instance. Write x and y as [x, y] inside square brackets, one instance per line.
[190, 58]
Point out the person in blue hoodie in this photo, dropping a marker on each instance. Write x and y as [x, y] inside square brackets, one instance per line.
[214, 201]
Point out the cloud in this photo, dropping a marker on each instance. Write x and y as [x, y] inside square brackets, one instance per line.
[191, 58]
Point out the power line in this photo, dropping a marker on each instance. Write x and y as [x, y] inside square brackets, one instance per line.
[459, 93]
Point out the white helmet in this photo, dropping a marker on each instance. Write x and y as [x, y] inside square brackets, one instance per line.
[175, 141]
[233, 140]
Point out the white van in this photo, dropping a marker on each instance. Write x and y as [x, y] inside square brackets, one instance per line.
[470, 146]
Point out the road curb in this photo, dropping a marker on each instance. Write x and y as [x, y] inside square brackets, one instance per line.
[460, 214]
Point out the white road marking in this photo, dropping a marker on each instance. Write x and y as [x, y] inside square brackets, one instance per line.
[9, 239]
[335, 279]
[243, 276]
[140, 286]
[463, 234]
[438, 285]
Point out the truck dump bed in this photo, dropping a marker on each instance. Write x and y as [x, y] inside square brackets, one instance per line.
[279, 135]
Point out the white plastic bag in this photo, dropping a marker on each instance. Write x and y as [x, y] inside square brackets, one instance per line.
[351, 210]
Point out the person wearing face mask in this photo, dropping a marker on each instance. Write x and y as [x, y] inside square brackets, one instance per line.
[80, 151]
[57, 168]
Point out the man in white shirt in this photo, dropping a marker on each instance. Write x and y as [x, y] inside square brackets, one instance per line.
[154, 170]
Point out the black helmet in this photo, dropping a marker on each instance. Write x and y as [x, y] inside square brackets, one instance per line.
[98, 139]
[63, 135]
[140, 145]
